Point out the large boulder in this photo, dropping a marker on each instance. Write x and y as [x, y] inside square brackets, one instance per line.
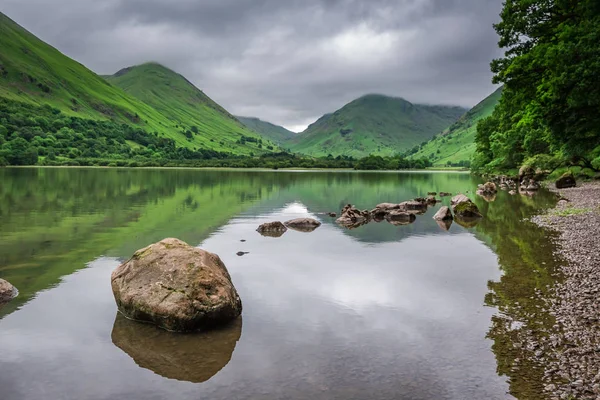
[272, 229]
[443, 214]
[567, 180]
[352, 217]
[194, 357]
[7, 292]
[176, 287]
[303, 224]
[463, 207]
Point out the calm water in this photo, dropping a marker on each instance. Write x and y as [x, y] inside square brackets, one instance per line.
[378, 312]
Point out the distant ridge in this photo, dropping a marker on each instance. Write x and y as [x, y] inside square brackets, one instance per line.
[276, 133]
[374, 124]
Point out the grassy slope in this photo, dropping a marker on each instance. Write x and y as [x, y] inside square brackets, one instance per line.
[34, 72]
[457, 143]
[276, 133]
[374, 124]
[184, 104]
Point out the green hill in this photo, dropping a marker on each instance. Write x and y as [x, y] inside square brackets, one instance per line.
[37, 79]
[276, 133]
[456, 144]
[374, 124]
[168, 92]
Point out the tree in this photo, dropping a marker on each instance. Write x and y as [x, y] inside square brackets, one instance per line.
[551, 97]
[18, 152]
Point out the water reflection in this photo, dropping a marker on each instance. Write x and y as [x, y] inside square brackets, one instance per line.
[185, 357]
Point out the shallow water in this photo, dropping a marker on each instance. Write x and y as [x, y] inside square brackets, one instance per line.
[377, 312]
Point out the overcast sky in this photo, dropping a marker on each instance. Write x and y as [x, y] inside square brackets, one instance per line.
[284, 61]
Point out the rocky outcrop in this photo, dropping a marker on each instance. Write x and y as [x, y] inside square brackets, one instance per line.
[7, 292]
[526, 172]
[464, 208]
[176, 287]
[195, 357]
[443, 214]
[352, 217]
[303, 224]
[567, 180]
[272, 229]
[399, 217]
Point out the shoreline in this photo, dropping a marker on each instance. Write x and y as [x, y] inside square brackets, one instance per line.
[571, 356]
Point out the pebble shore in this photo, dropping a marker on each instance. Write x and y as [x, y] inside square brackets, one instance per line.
[571, 356]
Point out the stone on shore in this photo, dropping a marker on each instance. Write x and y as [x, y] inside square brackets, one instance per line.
[443, 214]
[464, 208]
[303, 224]
[272, 229]
[567, 180]
[7, 292]
[176, 287]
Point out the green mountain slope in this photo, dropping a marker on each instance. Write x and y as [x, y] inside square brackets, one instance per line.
[276, 133]
[35, 73]
[456, 144]
[374, 124]
[168, 92]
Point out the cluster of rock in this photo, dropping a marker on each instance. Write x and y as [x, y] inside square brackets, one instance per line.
[7, 292]
[177, 287]
[277, 228]
[405, 213]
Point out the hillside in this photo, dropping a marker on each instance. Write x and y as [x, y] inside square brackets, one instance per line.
[456, 144]
[276, 133]
[374, 124]
[168, 92]
[34, 75]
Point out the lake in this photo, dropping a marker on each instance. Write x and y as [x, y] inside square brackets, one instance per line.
[378, 312]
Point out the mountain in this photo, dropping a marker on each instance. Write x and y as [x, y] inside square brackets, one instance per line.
[276, 133]
[374, 124]
[456, 144]
[181, 102]
[34, 75]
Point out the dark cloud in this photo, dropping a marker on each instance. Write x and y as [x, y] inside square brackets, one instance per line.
[286, 61]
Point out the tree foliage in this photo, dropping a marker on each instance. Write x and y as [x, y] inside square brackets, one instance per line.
[551, 98]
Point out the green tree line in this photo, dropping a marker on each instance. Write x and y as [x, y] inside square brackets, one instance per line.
[549, 112]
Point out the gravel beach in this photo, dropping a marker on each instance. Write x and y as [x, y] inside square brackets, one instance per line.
[571, 358]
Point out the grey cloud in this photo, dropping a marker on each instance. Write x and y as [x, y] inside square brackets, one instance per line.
[288, 62]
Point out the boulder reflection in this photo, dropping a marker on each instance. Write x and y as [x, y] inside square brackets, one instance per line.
[195, 357]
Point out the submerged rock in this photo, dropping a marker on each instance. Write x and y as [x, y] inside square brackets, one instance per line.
[431, 193]
[7, 292]
[194, 357]
[176, 287]
[303, 224]
[445, 194]
[444, 224]
[242, 253]
[399, 217]
[431, 200]
[567, 180]
[467, 222]
[443, 214]
[464, 208]
[332, 214]
[272, 229]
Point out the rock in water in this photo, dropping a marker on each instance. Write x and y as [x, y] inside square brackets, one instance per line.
[399, 217]
[303, 224]
[464, 208]
[443, 214]
[7, 291]
[566, 181]
[444, 225]
[352, 217]
[176, 287]
[272, 229]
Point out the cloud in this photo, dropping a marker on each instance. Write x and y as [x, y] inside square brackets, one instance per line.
[285, 61]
